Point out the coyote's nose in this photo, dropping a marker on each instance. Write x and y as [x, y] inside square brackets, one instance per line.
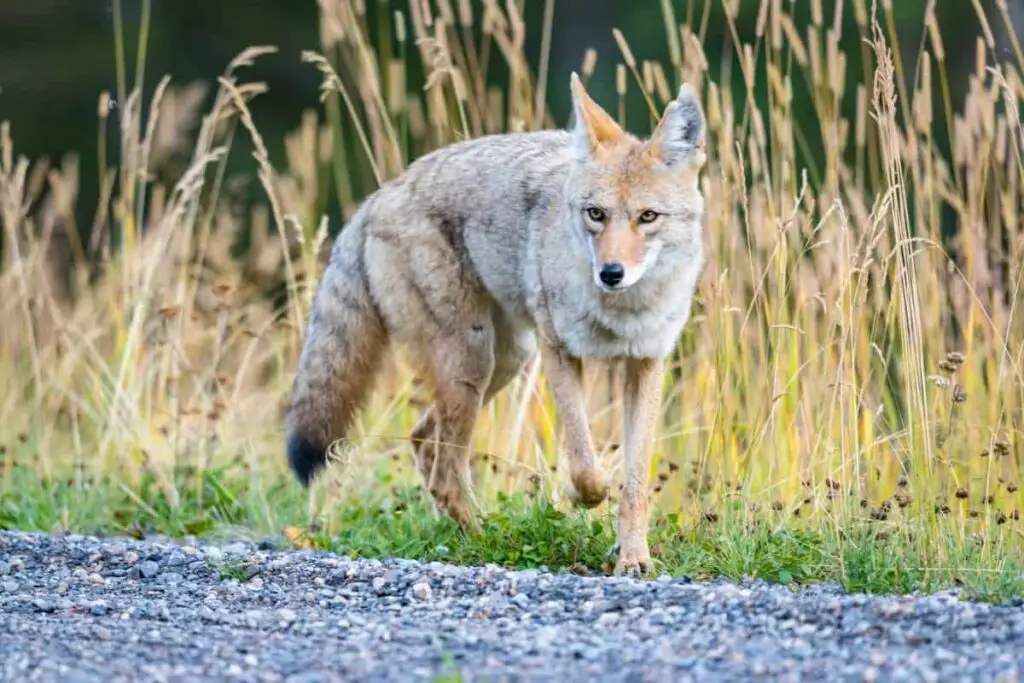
[612, 273]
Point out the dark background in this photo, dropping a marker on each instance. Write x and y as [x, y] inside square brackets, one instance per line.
[57, 56]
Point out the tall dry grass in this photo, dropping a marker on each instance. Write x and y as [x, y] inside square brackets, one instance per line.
[847, 362]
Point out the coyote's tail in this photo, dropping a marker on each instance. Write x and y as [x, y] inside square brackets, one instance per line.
[341, 353]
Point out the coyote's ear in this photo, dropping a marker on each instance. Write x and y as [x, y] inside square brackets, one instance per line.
[679, 136]
[594, 127]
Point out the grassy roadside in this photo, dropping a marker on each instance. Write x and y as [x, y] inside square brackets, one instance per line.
[525, 530]
[845, 404]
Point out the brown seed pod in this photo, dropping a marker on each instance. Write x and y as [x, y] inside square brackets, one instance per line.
[955, 357]
[961, 493]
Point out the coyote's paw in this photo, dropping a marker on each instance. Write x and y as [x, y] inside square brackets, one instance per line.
[632, 561]
[455, 507]
[451, 499]
[589, 488]
[633, 565]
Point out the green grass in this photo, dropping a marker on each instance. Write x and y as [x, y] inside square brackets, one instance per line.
[523, 530]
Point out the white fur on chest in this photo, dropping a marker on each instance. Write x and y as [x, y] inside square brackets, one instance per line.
[591, 330]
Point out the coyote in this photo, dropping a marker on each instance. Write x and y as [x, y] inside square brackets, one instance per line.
[584, 243]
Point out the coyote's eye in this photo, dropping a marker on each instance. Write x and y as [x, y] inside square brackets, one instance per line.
[595, 214]
[648, 216]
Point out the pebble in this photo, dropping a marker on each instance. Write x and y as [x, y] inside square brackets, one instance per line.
[172, 578]
[149, 569]
[115, 549]
[422, 591]
[44, 605]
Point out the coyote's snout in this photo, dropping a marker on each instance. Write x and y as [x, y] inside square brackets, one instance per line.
[582, 244]
[622, 256]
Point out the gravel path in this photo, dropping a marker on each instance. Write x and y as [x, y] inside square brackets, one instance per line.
[82, 609]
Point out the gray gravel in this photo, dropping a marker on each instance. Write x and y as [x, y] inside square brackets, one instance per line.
[83, 609]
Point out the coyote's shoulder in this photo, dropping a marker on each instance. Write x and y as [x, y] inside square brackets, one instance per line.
[585, 243]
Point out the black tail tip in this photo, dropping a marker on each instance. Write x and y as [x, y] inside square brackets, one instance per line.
[305, 457]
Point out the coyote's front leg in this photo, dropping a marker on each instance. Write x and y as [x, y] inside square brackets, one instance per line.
[588, 483]
[641, 400]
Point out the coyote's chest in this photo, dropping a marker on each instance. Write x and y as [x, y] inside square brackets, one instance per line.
[590, 327]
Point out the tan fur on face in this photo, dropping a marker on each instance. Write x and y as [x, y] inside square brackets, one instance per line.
[620, 243]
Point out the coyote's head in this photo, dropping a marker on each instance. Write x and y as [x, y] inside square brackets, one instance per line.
[635, 201]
